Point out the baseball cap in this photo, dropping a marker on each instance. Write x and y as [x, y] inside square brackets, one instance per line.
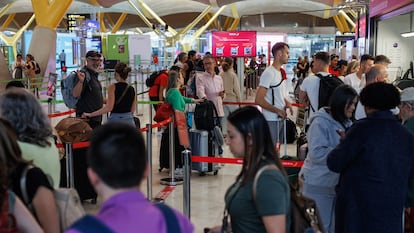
[407, 94]
[93, 53]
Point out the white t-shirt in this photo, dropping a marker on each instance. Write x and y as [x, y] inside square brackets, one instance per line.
[353, 81]
[272, 77]
[310, 85]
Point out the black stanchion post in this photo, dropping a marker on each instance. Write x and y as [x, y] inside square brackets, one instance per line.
[136, 90]
[149, 154]
[186, 189]
[172, 180]
[69, 165]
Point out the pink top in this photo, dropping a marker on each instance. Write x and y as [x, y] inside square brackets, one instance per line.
[209, 87]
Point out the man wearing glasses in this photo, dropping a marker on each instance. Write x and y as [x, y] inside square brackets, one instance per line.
[88, 88]
[407, 108]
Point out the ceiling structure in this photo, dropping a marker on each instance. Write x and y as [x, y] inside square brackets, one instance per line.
[180, 13]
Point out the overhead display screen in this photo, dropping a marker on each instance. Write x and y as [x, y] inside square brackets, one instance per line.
[234, 44]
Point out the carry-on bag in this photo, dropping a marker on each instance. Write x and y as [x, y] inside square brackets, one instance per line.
[202, 144]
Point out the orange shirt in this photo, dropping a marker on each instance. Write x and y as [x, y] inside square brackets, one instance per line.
[161, 80]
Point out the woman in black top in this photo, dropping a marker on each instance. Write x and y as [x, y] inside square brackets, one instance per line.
[121, 100]
[40, 199]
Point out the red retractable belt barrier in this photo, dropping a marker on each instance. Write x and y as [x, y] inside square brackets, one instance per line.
[206, 159]
[61, 113]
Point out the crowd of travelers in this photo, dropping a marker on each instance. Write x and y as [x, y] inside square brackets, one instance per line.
[359, 167]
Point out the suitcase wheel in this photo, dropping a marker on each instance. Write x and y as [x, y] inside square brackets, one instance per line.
[202, 174]
[215, 172]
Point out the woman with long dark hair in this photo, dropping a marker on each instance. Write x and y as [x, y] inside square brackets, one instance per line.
[323, 135]
[37, 186]
[248, 137]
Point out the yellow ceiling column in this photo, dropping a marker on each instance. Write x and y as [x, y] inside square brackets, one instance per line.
[344, 24]
[187, 46]
[5, 9]
[195, 21]
[236, 17]
[7, 21]
[156, 17]
[142, 16]
[50, 13]
[12, 40]
[204, 27]
[102, 22]
[119, 22]
[226, 23]
[347, 18]
[338, 23]
[234, 25]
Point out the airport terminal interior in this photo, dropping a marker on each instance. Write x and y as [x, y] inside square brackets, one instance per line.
[148, 35]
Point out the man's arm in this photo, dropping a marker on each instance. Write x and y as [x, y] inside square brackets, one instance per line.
[77, 89]
[260, 100]
[161, 93]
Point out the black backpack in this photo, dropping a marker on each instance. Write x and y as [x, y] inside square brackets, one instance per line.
[153, 76]
[327, 85]
[205, 116]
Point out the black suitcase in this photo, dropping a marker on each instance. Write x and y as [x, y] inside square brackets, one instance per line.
[165, 150]
[81, 180]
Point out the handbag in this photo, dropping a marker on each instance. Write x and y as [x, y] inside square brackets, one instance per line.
[73, 130]
[67, 201]
[304, 213]
[164, 111]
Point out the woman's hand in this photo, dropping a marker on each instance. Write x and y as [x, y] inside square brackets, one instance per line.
[198, 100]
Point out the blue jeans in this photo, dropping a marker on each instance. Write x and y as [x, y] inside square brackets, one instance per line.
[276, 131]
[125, 117]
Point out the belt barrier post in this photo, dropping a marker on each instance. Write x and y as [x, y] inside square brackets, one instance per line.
[172, 180]
[69, 165]
[186, 189]
[284, 137]
[149, 153]
[49, 106]
[143, 80]
[136, 91]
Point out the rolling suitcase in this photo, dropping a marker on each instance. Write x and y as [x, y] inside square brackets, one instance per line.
[202, 145]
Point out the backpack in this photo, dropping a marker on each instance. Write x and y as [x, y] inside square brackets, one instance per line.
[327, 85]
[291, 131]
[153, 76]
[305, 216]
[7, 219]
[66, 86]
[284, 77]
[205, 116]
[67, 201]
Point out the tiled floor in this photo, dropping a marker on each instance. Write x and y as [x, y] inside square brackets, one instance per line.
[207, 192]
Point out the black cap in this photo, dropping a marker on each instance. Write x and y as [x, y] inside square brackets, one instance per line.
[93, 53]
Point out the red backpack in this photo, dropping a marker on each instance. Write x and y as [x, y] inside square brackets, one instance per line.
[7, 219]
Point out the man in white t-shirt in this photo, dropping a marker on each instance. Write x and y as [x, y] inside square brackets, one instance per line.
[357, 79]
[271, 94]
[309, 90]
